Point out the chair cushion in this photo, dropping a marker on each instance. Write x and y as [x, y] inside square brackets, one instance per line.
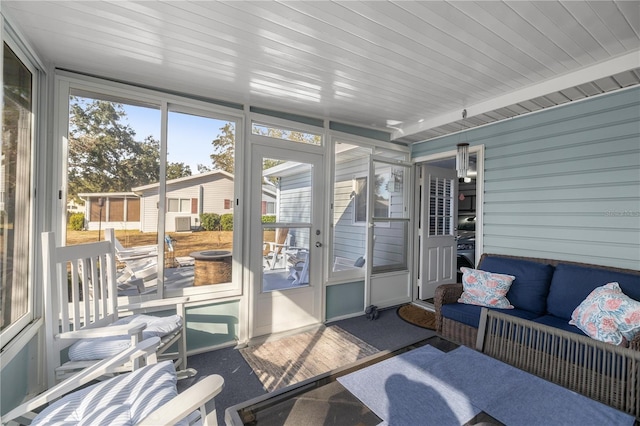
[470, 314]
[608, 315]
[530, 288]
[123, 400]
[104, 347]
[571, 284]
[485, 288]
[556, 322]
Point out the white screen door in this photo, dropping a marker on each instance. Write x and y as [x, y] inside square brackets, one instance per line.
[437, 228]
[388, 216]
[287, 240]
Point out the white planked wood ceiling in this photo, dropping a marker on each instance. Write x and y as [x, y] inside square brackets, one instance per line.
[407, 67]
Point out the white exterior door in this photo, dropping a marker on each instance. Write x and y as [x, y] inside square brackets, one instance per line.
[286, 255]
[437, 219]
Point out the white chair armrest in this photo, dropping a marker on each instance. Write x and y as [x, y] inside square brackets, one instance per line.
[146, 348]
[153, 304]
[94, 333]
[193, 398]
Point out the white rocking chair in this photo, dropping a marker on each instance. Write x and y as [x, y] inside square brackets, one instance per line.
[82, 311]
[145, 396]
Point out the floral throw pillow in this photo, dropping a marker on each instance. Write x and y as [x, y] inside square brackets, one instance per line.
[485, 288]
[609, 315]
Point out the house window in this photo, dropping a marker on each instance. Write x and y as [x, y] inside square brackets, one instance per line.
[381, 207]
[227, 204]
[360, 200]
[15, 194]
[270, 207]
[179, 205]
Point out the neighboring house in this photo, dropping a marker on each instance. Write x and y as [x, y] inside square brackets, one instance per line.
[187, 198]
[73, 207]
[118, 210]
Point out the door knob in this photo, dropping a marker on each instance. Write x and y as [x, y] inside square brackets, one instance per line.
[318, 244]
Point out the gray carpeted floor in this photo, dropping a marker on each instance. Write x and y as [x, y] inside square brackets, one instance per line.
[388, 332]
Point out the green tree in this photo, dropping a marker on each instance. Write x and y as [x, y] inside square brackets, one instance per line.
[203, 169]
[291, 135]
[224, 149]
[104, 155]
[178, 170]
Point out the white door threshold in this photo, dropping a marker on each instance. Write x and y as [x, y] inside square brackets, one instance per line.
[424, 305]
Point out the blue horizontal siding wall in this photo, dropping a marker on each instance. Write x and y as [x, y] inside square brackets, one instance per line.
[562, 183]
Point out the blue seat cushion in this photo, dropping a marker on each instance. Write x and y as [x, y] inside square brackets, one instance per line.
[556, 322]
[530, 289]
[470, 314]
[571, 284]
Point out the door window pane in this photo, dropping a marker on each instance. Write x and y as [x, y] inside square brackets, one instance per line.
[390, 242]
[391, 218]
[286, 262]
[15, 189]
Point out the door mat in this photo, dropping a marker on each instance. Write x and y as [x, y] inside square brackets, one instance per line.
[417, 316]
[296, 358]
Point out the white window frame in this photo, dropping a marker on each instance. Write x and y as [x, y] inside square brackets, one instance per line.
[181, 205]
[67, 81]
[38, 127]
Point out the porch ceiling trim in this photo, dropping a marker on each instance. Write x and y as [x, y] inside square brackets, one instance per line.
[626, 62]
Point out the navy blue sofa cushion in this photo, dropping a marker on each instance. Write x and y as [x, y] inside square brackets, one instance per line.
[556, 322]
[530, 289]
[470, 314]
[571, 284]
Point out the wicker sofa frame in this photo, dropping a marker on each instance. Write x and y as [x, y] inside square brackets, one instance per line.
[467, 335]
[606, 373]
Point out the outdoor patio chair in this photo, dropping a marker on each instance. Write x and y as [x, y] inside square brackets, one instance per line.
[275, 249]
[174, 260]
[146, 396]
[133, 253]
[345, 264]
[136, 265]
[137, 273]
[131, 271]
[298, 261]
[83, 315]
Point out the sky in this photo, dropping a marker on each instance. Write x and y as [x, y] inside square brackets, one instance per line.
[189, 136]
